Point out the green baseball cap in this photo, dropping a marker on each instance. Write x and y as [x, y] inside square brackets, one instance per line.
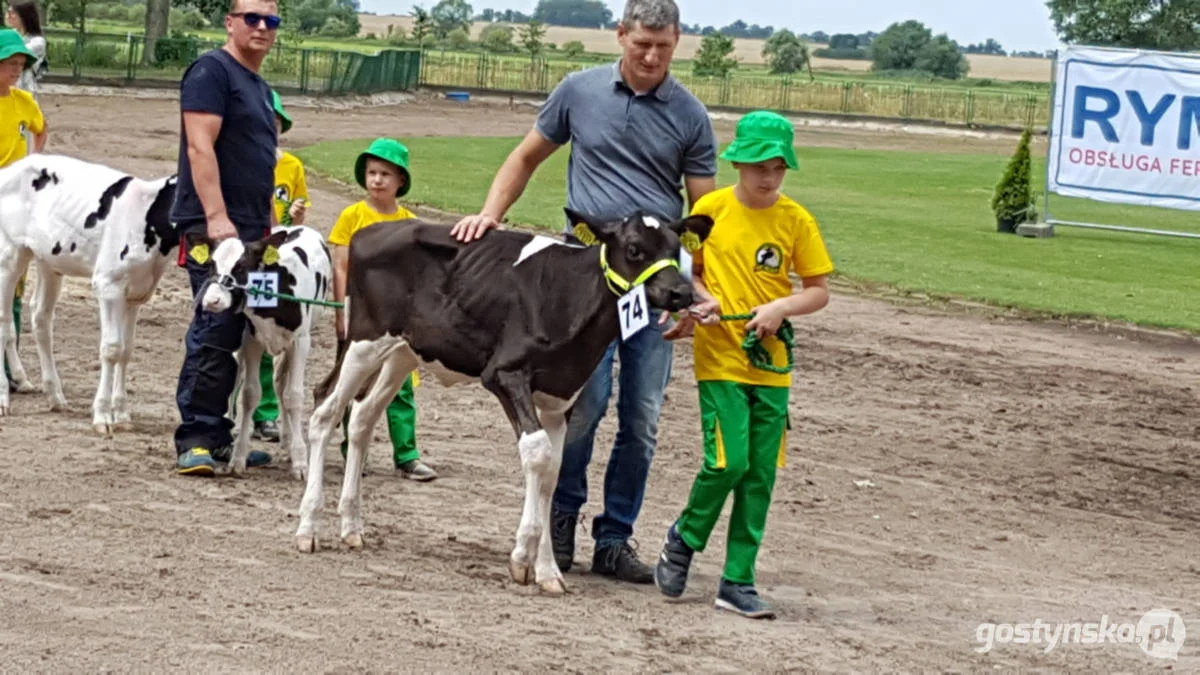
[11, 44]
[277, 103]
[389, 150]
[761, 136]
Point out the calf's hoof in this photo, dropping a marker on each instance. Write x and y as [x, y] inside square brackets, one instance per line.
[353, 540]
[299, 473]
[306, 543]
[26, 387]
[520, 572]
[553, 587]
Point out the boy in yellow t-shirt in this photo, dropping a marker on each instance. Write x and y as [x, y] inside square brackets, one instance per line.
[758, 233]
[18, 112]
[382, 170]
[291, 208]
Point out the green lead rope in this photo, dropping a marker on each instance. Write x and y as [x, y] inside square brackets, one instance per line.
[759, 356]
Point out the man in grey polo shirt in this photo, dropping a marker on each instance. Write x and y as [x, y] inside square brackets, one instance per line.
[638, 138]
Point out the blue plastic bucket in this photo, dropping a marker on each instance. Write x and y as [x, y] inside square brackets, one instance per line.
[458, 95]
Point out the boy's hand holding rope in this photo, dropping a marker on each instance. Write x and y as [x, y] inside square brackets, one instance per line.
[756, 351]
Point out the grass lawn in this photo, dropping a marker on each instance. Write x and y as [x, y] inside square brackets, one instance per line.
[915, 221]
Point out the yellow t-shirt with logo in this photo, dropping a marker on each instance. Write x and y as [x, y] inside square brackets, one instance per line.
[746, 262]
[290, 184]
[18, 112]
[360, 215]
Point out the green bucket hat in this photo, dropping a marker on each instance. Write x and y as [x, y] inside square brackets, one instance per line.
[389, 150]
[11, 44]
[277, 103]
[762, 136]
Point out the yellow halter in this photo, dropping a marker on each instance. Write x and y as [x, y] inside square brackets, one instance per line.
[619, 284]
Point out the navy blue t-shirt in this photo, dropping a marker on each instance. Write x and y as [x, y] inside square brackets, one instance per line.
[216, 83]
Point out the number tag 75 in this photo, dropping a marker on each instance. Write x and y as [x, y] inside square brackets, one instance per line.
[262, 282]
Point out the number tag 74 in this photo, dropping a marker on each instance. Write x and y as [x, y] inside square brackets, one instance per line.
[262, 281]
[632, 312]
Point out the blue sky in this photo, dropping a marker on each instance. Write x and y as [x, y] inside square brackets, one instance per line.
[1017, 24]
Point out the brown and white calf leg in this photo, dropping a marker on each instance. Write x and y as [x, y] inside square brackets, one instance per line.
[112, 322]
[289, 382]
[555, 424]
[363, 418]
[537, 462]
[249, 362]
[362, 359]
[48, 288]
[12, 264]
[120, 401]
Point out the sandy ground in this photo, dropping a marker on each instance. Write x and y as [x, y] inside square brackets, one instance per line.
[947, 468]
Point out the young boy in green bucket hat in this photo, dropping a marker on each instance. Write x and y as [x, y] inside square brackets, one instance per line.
[19, 112]
[742, 268]
[291, 208]
[382, 170]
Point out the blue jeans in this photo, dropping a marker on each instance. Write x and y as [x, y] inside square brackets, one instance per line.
[209, 372]
[645, 369]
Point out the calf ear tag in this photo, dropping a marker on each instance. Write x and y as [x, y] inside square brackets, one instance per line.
[584, 234]
[200, 253]
[270, 256]
[690, 241]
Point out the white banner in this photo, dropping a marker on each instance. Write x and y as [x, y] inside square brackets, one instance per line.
[1126, 127]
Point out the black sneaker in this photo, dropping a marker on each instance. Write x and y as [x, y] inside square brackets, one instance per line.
[253, 458]
[743, 599]
[621, 562]
[562, 538]
[671, 572]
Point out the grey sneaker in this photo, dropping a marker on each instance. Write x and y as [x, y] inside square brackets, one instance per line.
[267, 431]
[743, 599]
[671, 572]
[417, 470]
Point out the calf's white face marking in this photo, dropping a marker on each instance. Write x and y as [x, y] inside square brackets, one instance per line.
[218, 298]
[651, 222]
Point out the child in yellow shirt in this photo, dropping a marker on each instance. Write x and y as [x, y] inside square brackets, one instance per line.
[19, 112]
[382, 170]
[291, 208]
[742, 268]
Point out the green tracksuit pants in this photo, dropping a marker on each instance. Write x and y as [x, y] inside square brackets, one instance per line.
[402, 425]
[745, 434]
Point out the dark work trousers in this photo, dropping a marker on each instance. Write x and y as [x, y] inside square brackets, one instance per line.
[209, 371]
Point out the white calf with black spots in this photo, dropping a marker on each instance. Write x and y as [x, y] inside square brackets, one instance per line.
[81, 219]
[298, 262]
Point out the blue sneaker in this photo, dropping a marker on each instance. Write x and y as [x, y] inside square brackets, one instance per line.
[253, 458]
[671, 572]
[743, 599]
[195, 462]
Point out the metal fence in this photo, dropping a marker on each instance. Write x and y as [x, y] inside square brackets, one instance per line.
[953, 105]
[119, 59]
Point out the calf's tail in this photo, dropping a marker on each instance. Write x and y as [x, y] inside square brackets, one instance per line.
[322, 390]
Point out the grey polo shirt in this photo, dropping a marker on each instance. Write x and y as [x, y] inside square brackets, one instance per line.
[629, 151]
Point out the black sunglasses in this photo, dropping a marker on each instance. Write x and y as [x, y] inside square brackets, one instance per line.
[252, 19]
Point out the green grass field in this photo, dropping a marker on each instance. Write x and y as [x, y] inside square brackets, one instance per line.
[913, 221]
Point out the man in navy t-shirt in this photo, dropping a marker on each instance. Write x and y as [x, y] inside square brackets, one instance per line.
[225, 190]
